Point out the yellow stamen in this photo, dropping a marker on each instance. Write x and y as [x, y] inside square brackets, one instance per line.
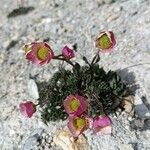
[74, 104]
[79, 123]
[104, 42]
[42, 53]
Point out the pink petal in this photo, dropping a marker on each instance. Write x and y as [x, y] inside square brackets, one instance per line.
[101, 122]
[104, 131]
[27, 109]
[83, 105]
[30, 55]
[67, 52]
[74, 132]
[67, 102]
[112, 38]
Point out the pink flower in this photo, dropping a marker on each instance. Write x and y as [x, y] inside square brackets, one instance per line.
[105, 42]
[102, 124]
[27, 109]
[68, 53]
[77, 125]
[39, 53]
[75, 105]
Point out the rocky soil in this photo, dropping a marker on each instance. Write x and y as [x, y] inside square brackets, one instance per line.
[74, 22]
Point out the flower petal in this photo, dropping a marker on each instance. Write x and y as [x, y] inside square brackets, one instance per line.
[83, 105]
[30, 55]
[77, 125]
[104, 130]
[101, 122]
[27, 109]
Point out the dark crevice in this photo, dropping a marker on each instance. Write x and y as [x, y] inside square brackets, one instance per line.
[20, 11]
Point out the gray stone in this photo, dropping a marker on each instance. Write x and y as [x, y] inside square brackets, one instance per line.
[31, 143]
[34, 140]
[140, 108]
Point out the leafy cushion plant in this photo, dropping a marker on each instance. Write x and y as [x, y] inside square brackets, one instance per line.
[104, 91]
[85, 94]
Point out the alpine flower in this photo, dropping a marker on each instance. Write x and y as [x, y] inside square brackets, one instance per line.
[39, 53]
[68, 53]
[27, 109]
[77, 125]
[75, 105]
[105, 42]
[102, 124]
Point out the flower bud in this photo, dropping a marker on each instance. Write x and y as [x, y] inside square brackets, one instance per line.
[27, 109]
[68, 53]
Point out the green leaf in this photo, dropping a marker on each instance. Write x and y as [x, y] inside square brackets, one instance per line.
[86, 80]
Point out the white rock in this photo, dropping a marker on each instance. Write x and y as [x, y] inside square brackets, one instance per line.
[33, 89]
[65, 140]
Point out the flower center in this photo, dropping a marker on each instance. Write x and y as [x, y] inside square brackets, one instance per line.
[74, 104]
[42, 53]
[104, 42]
[79, 123]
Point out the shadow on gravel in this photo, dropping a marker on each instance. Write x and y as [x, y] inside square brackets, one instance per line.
[140, 124]
[11, 44]
[129, 79]
[20, 11]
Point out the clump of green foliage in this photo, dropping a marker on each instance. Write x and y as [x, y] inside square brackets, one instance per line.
[104, 90]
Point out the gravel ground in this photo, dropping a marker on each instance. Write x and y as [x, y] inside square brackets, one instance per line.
[75, 22]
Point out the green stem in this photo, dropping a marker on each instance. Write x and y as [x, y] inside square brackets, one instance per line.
[63, 59]
[60, 55]
[94, 58]
[37, 104]
[99, 103]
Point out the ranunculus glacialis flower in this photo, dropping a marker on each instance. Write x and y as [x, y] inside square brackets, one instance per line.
[39, 53]
[68, 53]
[77, 125]
[105, 42]
[75, 105]
[102, 125]
[27, 109]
